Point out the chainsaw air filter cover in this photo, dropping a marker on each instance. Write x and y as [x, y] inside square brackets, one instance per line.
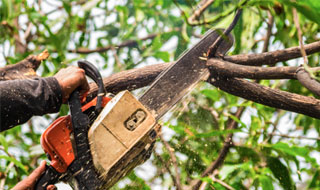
[121, 137]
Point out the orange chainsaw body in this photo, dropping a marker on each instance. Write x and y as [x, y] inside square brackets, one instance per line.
[56, 140]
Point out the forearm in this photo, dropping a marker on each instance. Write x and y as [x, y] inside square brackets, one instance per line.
[21, 99]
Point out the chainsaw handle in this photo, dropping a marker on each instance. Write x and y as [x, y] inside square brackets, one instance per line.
[95, 75]
[49, 177]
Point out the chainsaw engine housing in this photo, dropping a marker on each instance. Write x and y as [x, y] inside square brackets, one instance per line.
[121, 137]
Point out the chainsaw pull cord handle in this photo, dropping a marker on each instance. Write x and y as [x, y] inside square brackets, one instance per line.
[95, 75]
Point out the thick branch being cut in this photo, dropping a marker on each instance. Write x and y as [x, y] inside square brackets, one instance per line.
[137, 78]
[24, 69]
[129, 80]
[270, 58]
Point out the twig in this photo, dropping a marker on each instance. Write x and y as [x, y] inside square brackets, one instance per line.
[231, 124]
[117, 60]
[129, 43]
[3, 180]
[296, 22]
[303, 74]
[20, 47]
[269, 32]
[221, 183]
[213, 48]
[276, 123]
[203, 5]
[167, 168]
[174, 162]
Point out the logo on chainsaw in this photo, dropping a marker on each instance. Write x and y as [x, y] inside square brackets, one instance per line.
[135, 119]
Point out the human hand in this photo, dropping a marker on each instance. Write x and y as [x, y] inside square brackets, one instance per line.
[71, 78]
[30, 181]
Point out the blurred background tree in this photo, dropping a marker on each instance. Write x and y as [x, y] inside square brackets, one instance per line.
[265, 148]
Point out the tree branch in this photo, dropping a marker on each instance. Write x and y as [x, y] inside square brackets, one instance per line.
[270, 58]
[137, 78]
[166, 167]
[24, 69]
[174, 162]
[269, 32]
[307, 81]
[203, 5]
[251, 72]
[270, 97]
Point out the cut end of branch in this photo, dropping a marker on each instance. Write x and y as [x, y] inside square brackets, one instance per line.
[43, 56]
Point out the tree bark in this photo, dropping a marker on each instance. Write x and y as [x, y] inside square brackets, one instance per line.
[23, 69]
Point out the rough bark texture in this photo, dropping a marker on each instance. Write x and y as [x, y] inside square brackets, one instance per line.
[271, 97]
[307, 81]
[141, 77]
[24, 69]
[272, 57]
[251, 72]
[137, 78]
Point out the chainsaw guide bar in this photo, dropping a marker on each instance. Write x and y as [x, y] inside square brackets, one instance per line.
[180, 78]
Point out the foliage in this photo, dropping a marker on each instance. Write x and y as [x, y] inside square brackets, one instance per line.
[159, 31]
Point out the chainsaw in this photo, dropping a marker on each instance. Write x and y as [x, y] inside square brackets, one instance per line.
[101, 141]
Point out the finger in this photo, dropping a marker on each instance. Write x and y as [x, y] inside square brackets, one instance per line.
[84, 86]
[51, 187]
[37, 172]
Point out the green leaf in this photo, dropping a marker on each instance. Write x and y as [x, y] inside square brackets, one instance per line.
[6, 9]
[165, 56]
[139, 15]
[293, 150]
[156, 43]
[237, 31]
[315, 182]
[228, 169]
[3, 143]
[281, 172]
[212, 94]
[237, 120]
[309, 8]
[89, 5]
[16, 162]
[266, 182]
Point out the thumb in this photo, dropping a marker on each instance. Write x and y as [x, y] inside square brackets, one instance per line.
[37, 172]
